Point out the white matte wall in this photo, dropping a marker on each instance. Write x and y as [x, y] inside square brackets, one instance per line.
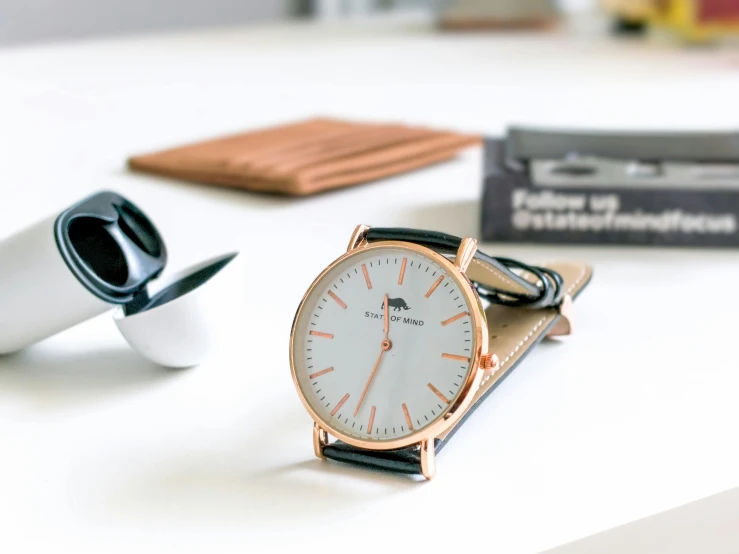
[23, 21]
[40, 20]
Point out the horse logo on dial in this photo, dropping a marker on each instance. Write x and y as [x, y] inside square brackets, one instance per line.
[396, 304]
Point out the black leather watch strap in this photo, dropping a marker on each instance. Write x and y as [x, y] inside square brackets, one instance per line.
[493, 277]
[513, 332]
[404, 460]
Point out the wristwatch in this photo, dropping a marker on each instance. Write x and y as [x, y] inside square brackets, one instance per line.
[391, 347]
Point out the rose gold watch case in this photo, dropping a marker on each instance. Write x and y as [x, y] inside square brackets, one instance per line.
[458, 407]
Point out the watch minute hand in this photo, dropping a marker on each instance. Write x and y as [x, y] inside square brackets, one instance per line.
[369, 381]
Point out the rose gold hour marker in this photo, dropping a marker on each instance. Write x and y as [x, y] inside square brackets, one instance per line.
[319, 373]
[455, 357]
[402, 271]
[433, 287]
[407, 417]
[339, 301]
[319, 334]
[454, 318]
[371, 421]
[366, 277]
[437, 392]
[340, 404]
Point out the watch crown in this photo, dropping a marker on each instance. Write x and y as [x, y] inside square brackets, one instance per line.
[489, 362]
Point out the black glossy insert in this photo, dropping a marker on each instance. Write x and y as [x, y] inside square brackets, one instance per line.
[111, 246]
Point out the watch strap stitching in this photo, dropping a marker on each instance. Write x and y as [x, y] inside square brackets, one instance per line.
[538, 324]
[487, 267]
[577, 281]
[510, 355]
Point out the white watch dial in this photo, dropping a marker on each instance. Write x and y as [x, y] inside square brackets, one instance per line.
[368, 387]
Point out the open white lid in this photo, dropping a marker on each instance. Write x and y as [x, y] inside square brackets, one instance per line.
[177, 324]
[115, 251]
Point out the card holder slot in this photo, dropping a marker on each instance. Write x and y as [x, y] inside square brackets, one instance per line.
[255, 158]
[247, 149]
[373, 173]
[350, 149]
[287, 142]
[388, 155]
[351, 136]
[220, 178]
[217, 153]
[242, 140]
[251, 164]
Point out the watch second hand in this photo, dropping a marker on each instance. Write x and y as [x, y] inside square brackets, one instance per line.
[385, 345]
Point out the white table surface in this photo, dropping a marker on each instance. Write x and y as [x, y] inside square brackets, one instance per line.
[103, 452]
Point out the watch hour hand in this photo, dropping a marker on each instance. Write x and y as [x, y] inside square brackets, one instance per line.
[387, 319]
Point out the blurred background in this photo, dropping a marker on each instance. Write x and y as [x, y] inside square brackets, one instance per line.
[628, 420]
[24, 21]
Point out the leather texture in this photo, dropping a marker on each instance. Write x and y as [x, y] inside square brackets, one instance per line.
[403, 460]
[306, 157]
[513, 332]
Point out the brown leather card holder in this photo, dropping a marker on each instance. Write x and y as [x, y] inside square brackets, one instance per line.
[307, 157]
